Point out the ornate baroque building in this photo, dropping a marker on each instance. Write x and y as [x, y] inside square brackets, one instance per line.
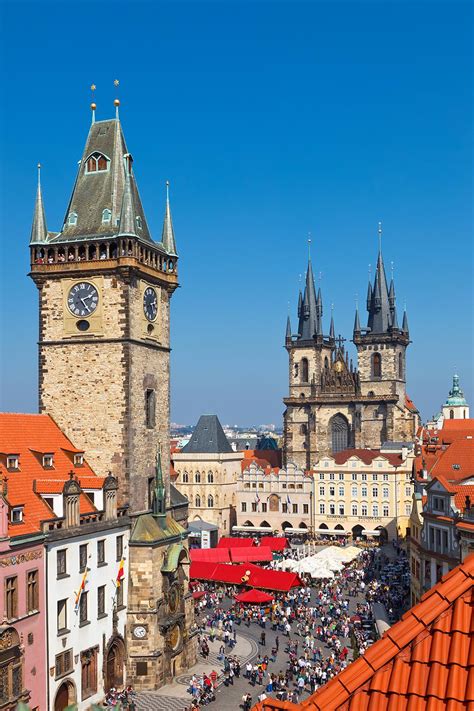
[333, 405]
[104, 290]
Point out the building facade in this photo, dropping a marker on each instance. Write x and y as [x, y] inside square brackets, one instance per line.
[207, 471]
[333, 405]
[104, 287]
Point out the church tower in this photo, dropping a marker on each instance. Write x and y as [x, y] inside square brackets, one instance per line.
[104, 288]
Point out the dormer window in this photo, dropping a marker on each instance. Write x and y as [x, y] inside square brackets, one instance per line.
[72, 219]
[48, 461]
[13, 461]
[16, 514]
[456, 467]
[138, 220]
[97, 163]
[78, 460]
[106, 216]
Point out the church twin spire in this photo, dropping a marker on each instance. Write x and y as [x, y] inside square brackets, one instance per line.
[39, 232]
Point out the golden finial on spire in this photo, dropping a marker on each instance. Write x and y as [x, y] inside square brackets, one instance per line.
[116, 101]
[93, 104]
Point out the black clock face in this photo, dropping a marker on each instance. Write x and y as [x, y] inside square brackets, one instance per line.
[82, 299]
[150, 303]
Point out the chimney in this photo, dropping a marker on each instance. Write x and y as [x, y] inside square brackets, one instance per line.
[110, 497]
[71, 495]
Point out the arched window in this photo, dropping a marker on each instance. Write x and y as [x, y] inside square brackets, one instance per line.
[197, 478]
[326, 362]
[11, 671]
[339, 433]
[303, 429]
[198, 501]
[375, 510]
[376, 365]
[72, 218]
[185, 477]
[210, 478]
[210, 501]
[97, 163]
[304, 370]
[400, 366]
[451, 414]
[106, 216]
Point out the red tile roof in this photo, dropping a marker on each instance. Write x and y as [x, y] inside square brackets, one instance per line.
[410, 405]
[425, 662]
[367, 456]
[27, 436]
[456, 461]
[262, 457]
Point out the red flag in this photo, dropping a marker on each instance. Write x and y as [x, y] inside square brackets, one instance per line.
[120, 574]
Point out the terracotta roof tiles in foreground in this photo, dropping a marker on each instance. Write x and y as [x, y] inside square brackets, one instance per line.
[425, 662]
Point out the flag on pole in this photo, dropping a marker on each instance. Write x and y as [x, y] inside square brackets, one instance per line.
[80, 591]
[120, 574]
[288, 500]
[257, 499]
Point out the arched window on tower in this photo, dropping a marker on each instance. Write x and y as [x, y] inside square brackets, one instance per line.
[451, 414]
[185, 477]
[210, 478]
[198, 501]
[97, 163]
[376, 365]
[326, 362]
[339, 433]
[210, 501]
[304, 370]
[197, 478]
[400, 366]
[106, 216]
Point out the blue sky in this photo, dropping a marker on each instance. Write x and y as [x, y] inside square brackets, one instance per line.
[270, 120]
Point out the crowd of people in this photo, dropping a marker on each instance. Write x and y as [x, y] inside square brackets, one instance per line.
[317, 629]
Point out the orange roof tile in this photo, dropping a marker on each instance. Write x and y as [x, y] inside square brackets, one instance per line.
[425, 662]
[456, 461]
[28, 435]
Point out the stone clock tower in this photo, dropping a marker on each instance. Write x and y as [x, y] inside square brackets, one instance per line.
[104, 375]
[104, 301]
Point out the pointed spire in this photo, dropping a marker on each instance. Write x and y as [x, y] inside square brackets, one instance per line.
[159, 497]
[39, 232]
[380, 319]
[356, 321]
[167, 236]
[405, 323]
[128, 213]
[394, 319]
[391, 294]
[369, 296]
[288, 329]
[332, 332]
[308, 326]
[300, 303]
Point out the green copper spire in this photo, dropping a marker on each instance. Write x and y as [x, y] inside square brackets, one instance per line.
[159, 497]
[456, 395]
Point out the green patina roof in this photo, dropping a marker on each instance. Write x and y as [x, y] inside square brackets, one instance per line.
[172, 557]
[456, 395]
[150, 529]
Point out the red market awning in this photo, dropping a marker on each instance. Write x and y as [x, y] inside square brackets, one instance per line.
[261, 554]
[210, 555]
[274, 580]
[198, 594]
[229, 542]
[254, 597]
[275, 543]
[237, 575]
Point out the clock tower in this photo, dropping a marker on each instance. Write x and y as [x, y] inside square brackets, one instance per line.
[104, 288]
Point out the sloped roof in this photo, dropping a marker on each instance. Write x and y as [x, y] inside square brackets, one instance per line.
[457, 461]
[208, 438]
[425, 662]
[367, 456]
[30, 436]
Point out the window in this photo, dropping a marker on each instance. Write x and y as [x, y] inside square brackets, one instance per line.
[400, 366]
[385, 492]
[88, 673]
[32, 591]
[445, 541]
[210, 501]
[198, 501]
[341, 476]
[78, 460]
[321, 490]
[150, 408]
[304, 370]
[407, 509]
[385, 510]
[101, 552]
[106, 216]
[354, 509]
[11, 597]
[185, 477]
[332, 491]
[322, 508]
[354, 476]
[321, 475]
[332, 509]
[254, 506]
[138, 220]
[375, 492]
[375, 509]
[72, 219]
[284, 508]
[142, 668]
[376, 365]
[16, 515]
[341, 491]
[62, 615]
[48, 460]
[197, 478]
[305, 508]
[295, 508]
[264, 508]
[364, 491]
[101, 601]
[61, 562]
[119, 547]
[83, 605]
[385, 477]
[210, 478]
[341, 509]
[82, 557]
[408, 491]
[63, 663]
[375, 477]
[283, 486]
[339, 433]
[326, 464]
[332, 476]
[364, 476]
[364, 509]
[97, 163]
[354, 491]
[354, 464]
[299, 486]
[13, 461]
[243, 506]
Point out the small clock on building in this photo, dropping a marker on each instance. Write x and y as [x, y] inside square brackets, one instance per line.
[139, 632]
[150, 303]
[82, 299]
